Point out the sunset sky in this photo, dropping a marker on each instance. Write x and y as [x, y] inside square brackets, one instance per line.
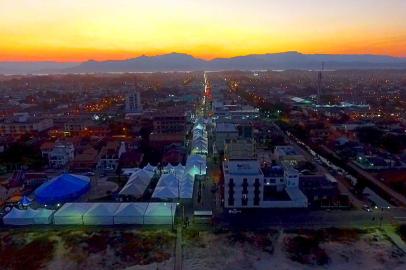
[77, 30]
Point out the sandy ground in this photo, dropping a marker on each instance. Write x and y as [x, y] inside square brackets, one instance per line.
[103, 249]
[371, 251]
[76, 249]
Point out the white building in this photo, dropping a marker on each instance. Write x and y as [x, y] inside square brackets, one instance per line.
[288, 153]
[61, 154]
[243, 183]
[223, 132]
[246, 185]
[109, 156]
[133, 103]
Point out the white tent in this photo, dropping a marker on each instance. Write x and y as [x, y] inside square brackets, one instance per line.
[193, 159]
[165, 193]
[141, 176]
[186, 189]
[144, 173]
[71, 213]
[28, 216]
[167, 187]
[137, 184]
[196, 164]
[100, 214]
[43, 216]
[130, 213]
[199, 138]
[133, 189]
[129, 171]
[19, 217]
[200, 145]
[199, 126]
[176, 170]
[160, 213]
[150, 168]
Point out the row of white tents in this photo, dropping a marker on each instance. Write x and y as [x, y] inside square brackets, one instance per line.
[171, 186]
[148, 213]
[116, 213]
[28, 216]
[200, 143]
[177, 182]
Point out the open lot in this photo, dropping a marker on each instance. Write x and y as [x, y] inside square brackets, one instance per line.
[86, 248]
[336, 249]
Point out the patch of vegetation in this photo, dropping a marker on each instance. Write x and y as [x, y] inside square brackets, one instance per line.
[331, 234]
[402, 231]
[192, 236]
[305, 250]
[133, 248]
[17, 254]
[144, 248]
[262, 239]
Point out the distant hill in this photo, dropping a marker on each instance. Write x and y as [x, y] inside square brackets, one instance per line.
[34, 67]
[166, 62]
[185, 62]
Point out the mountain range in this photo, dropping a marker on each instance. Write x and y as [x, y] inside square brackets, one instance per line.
[185, 62]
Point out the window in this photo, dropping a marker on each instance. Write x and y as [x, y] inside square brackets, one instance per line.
[244, 200]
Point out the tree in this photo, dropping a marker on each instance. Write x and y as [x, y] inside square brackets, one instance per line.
[22, 155]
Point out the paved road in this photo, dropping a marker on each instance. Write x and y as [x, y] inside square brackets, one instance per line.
[398, 197]
[178, 249]
[342, 187]
[294, 218]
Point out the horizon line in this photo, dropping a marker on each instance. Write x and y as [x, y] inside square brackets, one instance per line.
[194, 56]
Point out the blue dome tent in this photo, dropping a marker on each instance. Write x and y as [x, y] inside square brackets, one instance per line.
[63, 188]
[25, 201]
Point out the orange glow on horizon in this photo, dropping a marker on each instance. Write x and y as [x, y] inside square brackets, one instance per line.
[74, 30]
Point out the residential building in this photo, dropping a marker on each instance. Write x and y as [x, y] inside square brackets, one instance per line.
[109, 156]
[319, 187]
[24, 124]
[237, 149]
[223, 132]
[247, 185]
[85, 161]
[288, 154]
[133, 103]
[169, 123]
[59, 154]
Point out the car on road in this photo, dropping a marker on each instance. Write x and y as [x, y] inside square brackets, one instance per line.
[366, 208]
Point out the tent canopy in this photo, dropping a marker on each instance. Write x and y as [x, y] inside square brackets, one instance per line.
[71, 213]
[130, 213]
[63, 188]
[28, 216]
[160, 213]
[150, 168]
[100, 214]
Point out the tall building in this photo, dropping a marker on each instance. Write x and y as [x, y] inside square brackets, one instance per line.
[248, 185]
[133, 103]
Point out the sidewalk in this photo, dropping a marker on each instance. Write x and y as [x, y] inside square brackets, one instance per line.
[178, 249]
[395, 238]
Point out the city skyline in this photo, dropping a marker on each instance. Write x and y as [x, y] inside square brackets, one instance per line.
[101, 30]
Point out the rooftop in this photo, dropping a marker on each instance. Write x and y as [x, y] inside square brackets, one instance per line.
[242, 167]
